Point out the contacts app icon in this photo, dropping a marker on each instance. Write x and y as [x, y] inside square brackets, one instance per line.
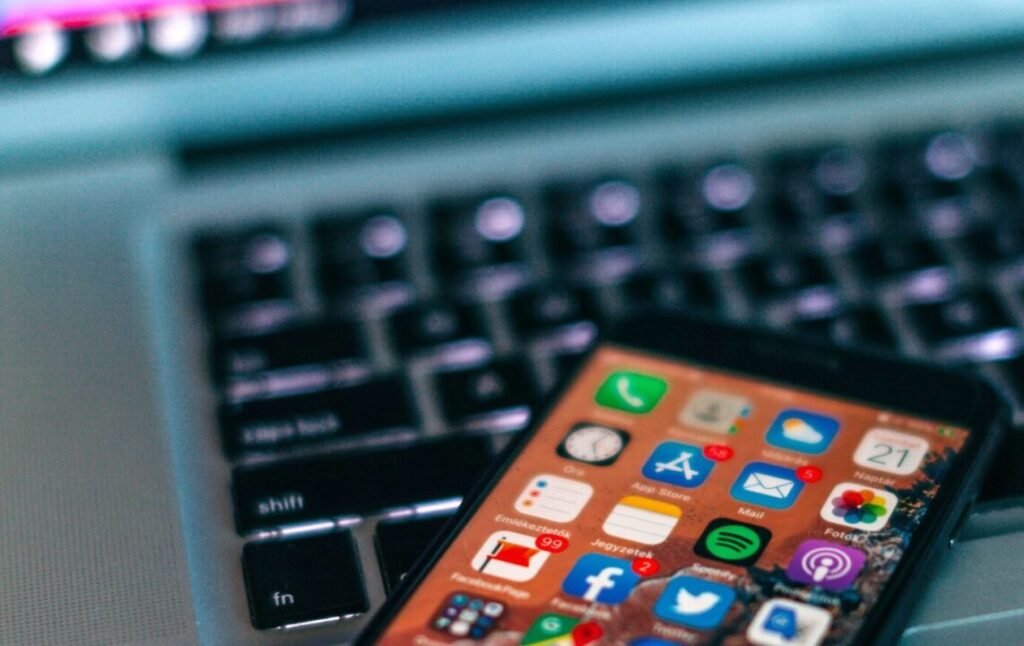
[767, 485]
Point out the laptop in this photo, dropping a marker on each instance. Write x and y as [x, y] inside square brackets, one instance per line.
[280, 277]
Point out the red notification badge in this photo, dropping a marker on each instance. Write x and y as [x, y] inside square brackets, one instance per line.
[645, 566]
[586, 633]
[552, 543]
[718, 452]
[809, 473]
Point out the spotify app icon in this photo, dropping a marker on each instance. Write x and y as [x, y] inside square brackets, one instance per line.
[731, 541]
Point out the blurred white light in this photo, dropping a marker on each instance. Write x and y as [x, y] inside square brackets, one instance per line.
[728, 187]
[243, 24]
[177, 32]
[268, 254]
[499, 219]
[383, 236]
[42, 48]
[115, 39]
[951, 156]
[615, 203]
[311, 16]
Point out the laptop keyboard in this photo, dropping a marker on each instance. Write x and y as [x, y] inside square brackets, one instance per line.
[431, 340]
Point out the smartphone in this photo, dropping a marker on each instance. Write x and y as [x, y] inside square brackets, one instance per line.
[703, 483]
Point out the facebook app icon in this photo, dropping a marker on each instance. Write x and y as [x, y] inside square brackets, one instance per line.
[599, 578]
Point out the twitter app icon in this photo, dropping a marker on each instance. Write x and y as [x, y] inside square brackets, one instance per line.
[694, 602]
[801, 430]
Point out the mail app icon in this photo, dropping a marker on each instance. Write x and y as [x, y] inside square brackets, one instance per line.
[767, 485]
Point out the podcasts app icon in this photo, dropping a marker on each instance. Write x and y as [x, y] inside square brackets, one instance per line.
[832, 566]
[733, 542]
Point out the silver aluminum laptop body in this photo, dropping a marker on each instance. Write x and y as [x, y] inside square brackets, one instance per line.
[115, 513]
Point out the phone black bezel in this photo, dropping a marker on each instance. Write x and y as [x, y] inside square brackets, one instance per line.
[879, 379]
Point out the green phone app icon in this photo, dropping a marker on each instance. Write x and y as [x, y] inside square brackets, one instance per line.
[550, 629]
[631, 392]
[733, 542]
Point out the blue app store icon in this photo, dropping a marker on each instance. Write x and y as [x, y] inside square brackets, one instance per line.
[694, 602]
[767, 485]
[601, 579]
[801, 430]
[682, 465]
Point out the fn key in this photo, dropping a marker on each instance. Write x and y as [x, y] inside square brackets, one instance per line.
[304, 580]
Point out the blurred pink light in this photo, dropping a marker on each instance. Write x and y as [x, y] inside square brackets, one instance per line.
[77, 14]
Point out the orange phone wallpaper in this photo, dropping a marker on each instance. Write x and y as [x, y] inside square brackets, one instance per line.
[664, 503]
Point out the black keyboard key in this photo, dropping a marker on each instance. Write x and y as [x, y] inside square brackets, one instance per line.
[592, 218]
[964, 315]
[241, 268]
[319, 344]
[840, 172]
[928, 165]
[996, 244]
[670, 290]
[862, 326]
[358, 483]
[881, 260]
[548, 310]
[401, 543]
[326, 416]
[303, 580]
[819, 185]
[434, 326]
[498, 395]
[261, 250]
[928, 182]
[785, 274]
[1012, 371]
[361, 252]
[478, 235]
[712, 203]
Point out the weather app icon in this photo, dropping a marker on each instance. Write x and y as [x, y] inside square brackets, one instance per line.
[801, 430]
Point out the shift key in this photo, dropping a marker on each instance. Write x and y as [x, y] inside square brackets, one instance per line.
[354, 484]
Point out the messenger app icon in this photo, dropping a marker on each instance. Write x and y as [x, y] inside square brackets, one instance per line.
[767, 485]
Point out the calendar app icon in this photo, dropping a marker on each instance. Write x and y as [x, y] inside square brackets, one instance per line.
[891, 451]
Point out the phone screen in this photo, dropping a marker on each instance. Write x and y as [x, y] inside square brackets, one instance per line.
[668, 503]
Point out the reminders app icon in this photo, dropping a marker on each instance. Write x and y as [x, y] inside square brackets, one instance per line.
[767, 485]
[554, 498]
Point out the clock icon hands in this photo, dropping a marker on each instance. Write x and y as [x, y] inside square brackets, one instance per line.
[593, 444]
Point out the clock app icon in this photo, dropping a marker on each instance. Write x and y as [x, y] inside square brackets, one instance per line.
[593, 444]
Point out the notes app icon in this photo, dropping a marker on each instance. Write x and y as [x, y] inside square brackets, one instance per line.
[642, 520]
[553, 498]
